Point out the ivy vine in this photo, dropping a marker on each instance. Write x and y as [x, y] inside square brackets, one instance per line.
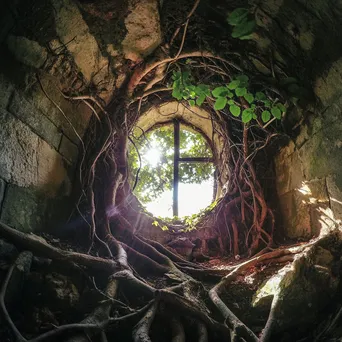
[243, 23]
[237, 96]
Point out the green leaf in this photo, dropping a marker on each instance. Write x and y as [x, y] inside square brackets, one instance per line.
[220, 103]
[260, 96]
[246, 37]
[176, 75]
[247, 115]
[276, 112]
[192, 94]
[254, 116]
[203, 88]
[237, 16]
[233, 84]
[177, 94]
[200, 100]
[155, 223]
[267, 103]
[231, 102]
[192, 103]
[235, 110]
[230, 94]
[265, 116]
[243, 29]
[243, 78]
[281, 107]
[249, 98]
[220, 92]
[240, 91]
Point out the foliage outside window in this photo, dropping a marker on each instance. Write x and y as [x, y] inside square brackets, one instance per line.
[155, 176]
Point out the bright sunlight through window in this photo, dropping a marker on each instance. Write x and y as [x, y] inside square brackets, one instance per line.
[172, 170]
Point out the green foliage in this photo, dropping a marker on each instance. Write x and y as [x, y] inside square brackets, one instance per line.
[157, 178]
[158, 224]
[243, 24]
[183, 89]
[231, 94]
[265, 116]
[238, 16]
[220, 103]
[247, 115]
[235, 110]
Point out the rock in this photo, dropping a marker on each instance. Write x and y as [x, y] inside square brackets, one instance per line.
[7, 250]
[68, 149]
[304, 291]
[183, 246]
[143, 29]
[264, 295]
[74, 32]
[335, 194]
[26, 159]
[27, 51]
[323, 257]
[328, 86]
[60, 291]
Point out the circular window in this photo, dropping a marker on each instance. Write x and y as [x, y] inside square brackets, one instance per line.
[172, 170]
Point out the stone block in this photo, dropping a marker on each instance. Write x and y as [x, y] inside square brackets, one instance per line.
[27, 160]
[30, 115]
[321, 155]
[30, 209]
[143, 29]
[317, 189]
[24, 208]
[74, 32]
[327, 87]
[74, 116]
[27, 51]
[322, 220]
[295, 214]
[334, 185]
[68, 150]
[289, 171]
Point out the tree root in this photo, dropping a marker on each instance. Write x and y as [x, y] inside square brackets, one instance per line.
[179, 298]
[202, 332]
[40, 247]
[178, 334]
[266, 333]
[141, 330]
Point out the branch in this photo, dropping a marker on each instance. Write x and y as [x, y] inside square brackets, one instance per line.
[185, 22]
[139, 74]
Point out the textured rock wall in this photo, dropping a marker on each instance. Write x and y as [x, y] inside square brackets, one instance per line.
[303, 38]
[309, 178]
[50, 46]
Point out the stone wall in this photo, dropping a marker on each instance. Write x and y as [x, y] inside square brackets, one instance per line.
[303, 39]
[309, 178]
[51, 47]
